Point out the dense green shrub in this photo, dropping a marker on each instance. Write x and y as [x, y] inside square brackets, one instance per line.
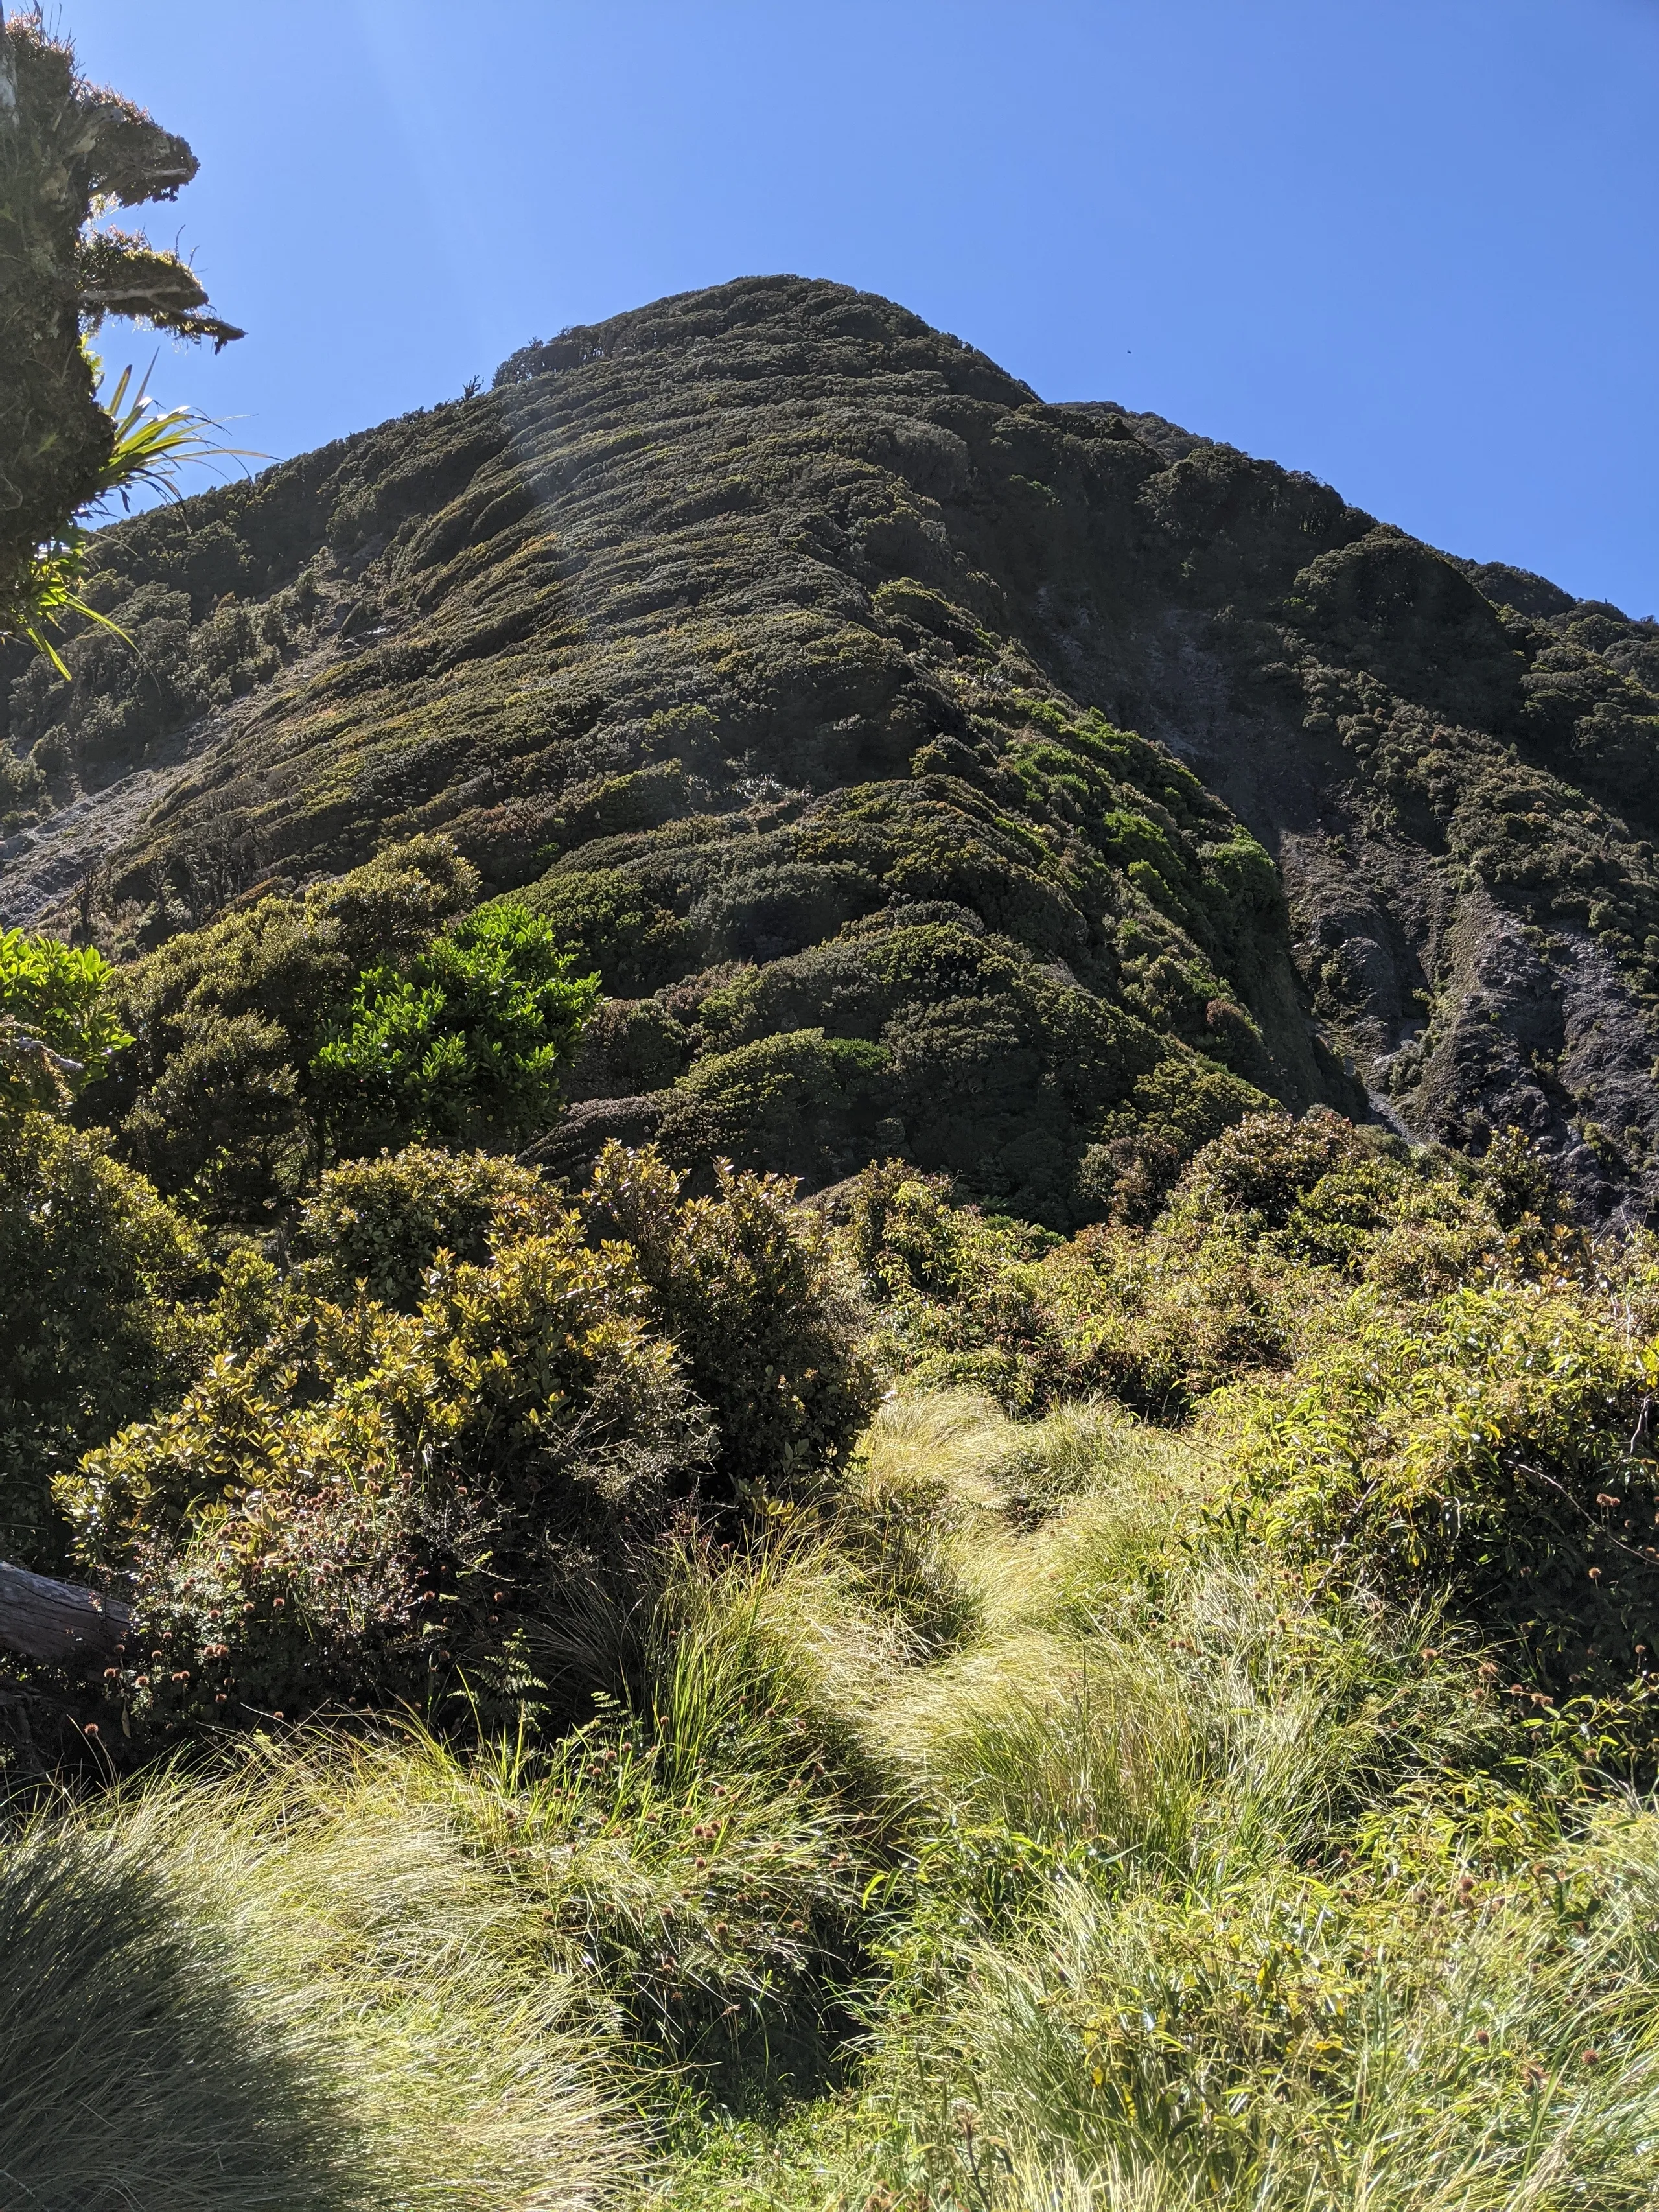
[57, 1026]
[214, 1098]
[378, 1225]
[611, 923]
[1153, 1321]
[802, 1102]
[225, 1125]
[1257, 1239]
[1494, 1444]
[749, 1286]
[353, 1503]
[462, 1045]
[1262, 1167]
[629, 1046]
[959, 1294]
[95, 1275]
[1177, 1107]
[364, 1505]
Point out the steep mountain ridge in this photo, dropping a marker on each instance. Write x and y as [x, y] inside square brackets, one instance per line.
[785, 650]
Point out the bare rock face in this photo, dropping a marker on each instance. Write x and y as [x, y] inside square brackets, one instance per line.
[921, 764]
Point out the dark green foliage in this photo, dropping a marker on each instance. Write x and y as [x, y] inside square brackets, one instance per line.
[628, 1048]
[1412, 618]
[748, 1286]
[801, 1102]
[94, 1272]
[1179, 1107]
[214, 1098]
[361, 1505]
[605, 916]
[460, 1046]
[777, 748]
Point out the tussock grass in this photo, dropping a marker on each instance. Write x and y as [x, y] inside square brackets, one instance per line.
[1282, 2039]
[275, 1986]
[1010, 1838]
[142, 2064]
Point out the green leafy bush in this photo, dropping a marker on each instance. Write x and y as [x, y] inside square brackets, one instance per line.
[96, 1271]
[380, 1223]
[803, 1103]
[1494, 1444]
[971, 1299]
[353, 1503]
[749, 1286]
[214, 1098]
[57, 1026]
[1259, 1238]
[366, 1505]
[463, 1045]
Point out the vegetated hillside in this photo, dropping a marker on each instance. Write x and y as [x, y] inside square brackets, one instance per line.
[787, 649]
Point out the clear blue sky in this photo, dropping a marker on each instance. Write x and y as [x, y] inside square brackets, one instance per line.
[1409, 244]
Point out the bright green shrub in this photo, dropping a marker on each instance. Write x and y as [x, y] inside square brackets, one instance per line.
[214, 1095]
[57, 1026]
[747, 1285]
[366, 1505]
[353, 1503]
[1434, 1234]
[381, 1223]
[94, 1265]
[463, 1044]
[1495, 1444]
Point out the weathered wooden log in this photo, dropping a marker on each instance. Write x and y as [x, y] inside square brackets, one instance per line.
[41, 1619]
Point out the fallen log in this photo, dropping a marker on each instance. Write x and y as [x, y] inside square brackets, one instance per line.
[42, 1619]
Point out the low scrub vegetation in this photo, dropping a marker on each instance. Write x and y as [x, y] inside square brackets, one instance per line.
[649, 1689]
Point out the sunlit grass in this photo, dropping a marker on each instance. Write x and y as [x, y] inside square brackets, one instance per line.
[1009, 1837]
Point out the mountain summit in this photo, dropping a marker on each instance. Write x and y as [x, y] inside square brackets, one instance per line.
[1024, 790]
